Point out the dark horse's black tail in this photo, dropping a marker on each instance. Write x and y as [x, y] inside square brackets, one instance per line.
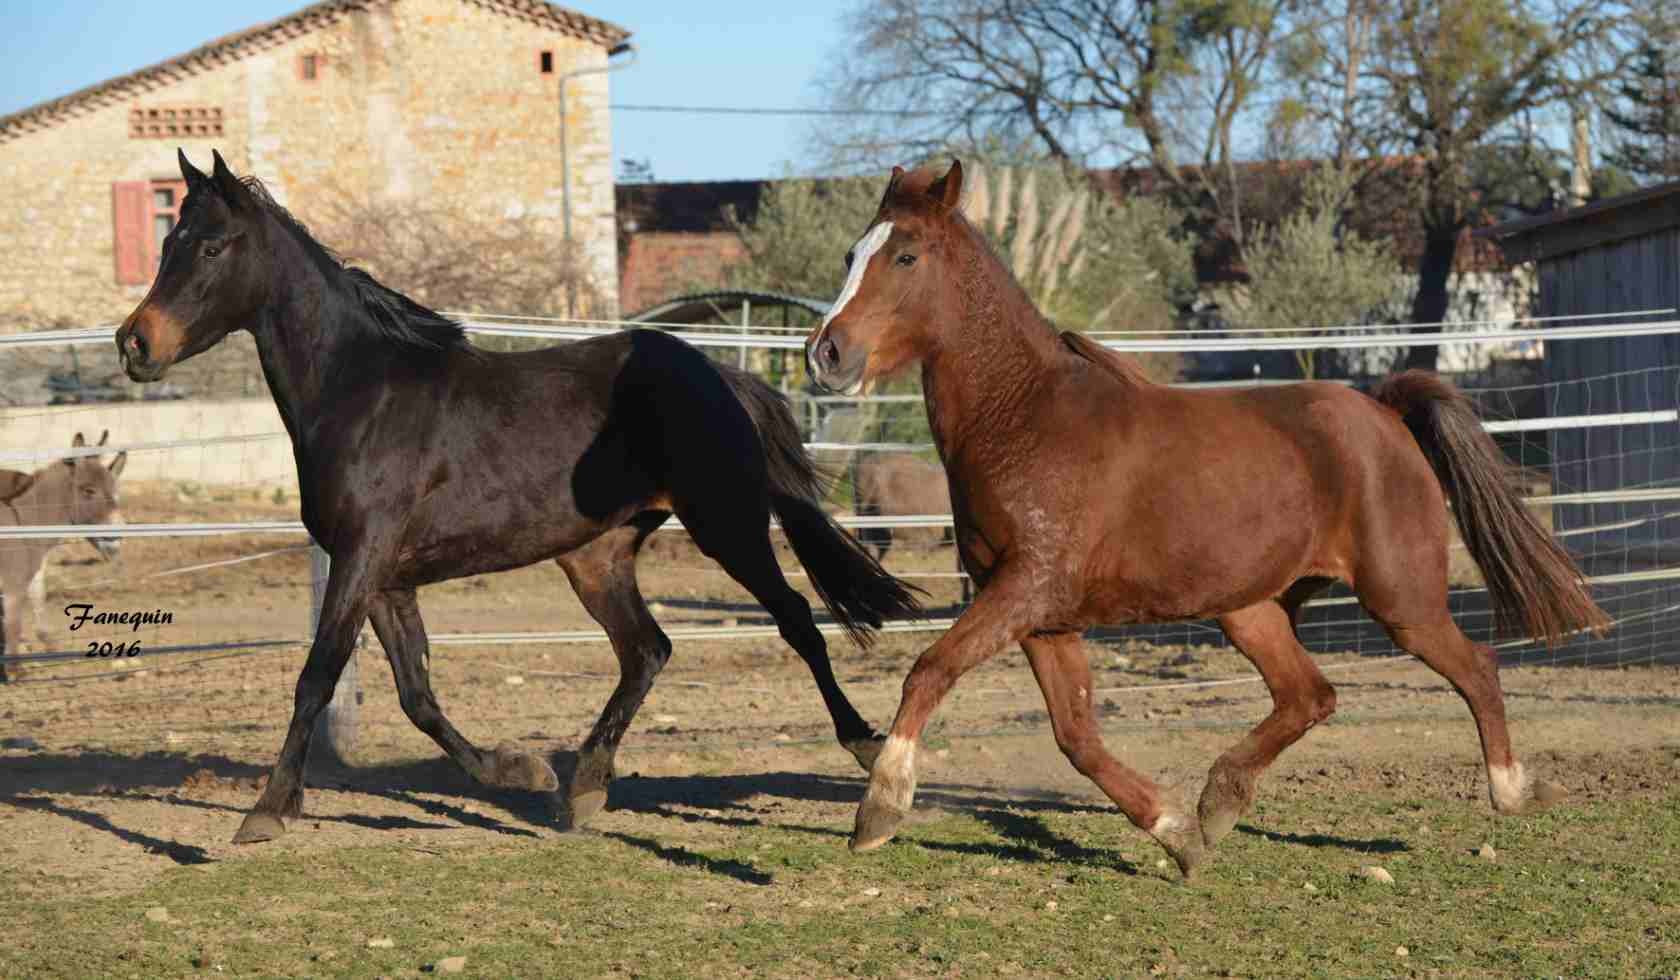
[1534, 583]
[857, 590]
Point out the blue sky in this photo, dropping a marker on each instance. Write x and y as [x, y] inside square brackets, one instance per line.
[724, 52]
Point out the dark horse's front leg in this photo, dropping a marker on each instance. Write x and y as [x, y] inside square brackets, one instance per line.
[343, 610]
[396, 621]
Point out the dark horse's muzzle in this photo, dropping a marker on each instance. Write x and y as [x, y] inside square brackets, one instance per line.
[138, 348]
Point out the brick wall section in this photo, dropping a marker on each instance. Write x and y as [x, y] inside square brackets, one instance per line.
[434, 99]
[661, 264]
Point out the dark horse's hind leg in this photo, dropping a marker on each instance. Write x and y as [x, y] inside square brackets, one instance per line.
[342, 612]
[736, 535]
[603, 574]
[1301, 698]
[396, 621]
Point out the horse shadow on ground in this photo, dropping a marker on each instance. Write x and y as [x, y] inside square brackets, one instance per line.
[447, 799]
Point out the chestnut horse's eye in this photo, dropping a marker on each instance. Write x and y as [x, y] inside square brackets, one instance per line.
[906, 259]
[848, 258]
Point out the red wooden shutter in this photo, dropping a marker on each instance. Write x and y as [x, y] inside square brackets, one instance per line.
[128, 222]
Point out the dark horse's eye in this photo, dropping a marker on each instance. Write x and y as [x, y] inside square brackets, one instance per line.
[211, 251]
[906, 259]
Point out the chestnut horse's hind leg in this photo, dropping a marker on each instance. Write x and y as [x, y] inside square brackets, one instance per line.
[738, 538]
[1473, 671]
[1064, 675]
[397, 623]
[603, 574]
[1301, 698]
[342, 614]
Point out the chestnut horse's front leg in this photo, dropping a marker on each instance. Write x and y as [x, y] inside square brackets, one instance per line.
[1010, 606]
[343, 610]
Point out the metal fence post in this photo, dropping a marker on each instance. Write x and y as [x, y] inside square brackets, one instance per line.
[336, 727]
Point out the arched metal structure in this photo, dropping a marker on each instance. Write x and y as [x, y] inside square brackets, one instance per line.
[725, 305]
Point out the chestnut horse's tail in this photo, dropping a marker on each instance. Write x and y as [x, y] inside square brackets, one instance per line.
[857, 590]
[1534, 583]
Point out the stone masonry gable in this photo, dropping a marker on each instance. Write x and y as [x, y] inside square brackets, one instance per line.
[267, 35]
[446, 110]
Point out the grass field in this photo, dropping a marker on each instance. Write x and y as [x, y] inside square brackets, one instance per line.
[748, 875]
[723, 851]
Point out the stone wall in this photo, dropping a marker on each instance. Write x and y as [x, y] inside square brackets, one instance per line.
[429, 100]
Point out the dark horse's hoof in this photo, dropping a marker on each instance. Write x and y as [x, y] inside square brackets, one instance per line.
[258, 827]
[865, 750]
[582, 808]
[516, 770]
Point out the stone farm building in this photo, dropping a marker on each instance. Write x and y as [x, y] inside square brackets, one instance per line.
[451, 102]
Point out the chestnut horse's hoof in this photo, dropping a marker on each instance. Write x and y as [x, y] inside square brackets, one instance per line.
[1226, 797]
[865, 750]
[1181, 838]
[512, 769]
[876, 824]
[1546, 793]
[258, 827]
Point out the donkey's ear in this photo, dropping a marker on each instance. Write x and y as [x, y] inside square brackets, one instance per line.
[192, 175]
[233, 192]
[947, 190]
[116, 467]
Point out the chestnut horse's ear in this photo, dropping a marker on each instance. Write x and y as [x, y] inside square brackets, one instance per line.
[78, 442]
[104, 437]
[192, 175]
[233, 192]
[947, 190]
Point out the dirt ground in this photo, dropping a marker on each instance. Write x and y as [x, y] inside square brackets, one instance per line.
[108, 779]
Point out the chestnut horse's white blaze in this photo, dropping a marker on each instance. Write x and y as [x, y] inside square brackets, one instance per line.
[862, 252]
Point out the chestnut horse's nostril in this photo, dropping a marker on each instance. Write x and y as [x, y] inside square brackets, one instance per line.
[134, 345]
[829, 353]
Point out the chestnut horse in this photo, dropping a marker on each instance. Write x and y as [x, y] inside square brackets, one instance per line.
[422, 458]
[1085, 495]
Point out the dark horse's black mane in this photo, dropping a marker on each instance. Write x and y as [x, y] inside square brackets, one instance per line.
[391, 316]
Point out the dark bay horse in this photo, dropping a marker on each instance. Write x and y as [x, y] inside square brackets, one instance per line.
[421, 458]
[1085, 495]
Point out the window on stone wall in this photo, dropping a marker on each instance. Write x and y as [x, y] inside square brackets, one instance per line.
[545, 62]
[309, 66]
[143, 214]
[174, 121]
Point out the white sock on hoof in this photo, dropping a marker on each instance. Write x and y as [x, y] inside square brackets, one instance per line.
[893, 779]
[1508, 786]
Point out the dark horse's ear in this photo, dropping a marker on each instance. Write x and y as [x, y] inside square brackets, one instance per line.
[192, 175]
[947, 190]
[233, 192]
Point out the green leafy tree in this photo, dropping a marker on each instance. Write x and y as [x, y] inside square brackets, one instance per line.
[1439, 81]
[1310, 270]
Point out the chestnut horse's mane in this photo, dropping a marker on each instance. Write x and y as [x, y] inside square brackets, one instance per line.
[911, 191]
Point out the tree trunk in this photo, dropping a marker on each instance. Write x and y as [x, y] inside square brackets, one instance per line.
[1440, 245]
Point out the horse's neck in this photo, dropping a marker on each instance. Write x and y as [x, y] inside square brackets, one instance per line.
[300, 349]
[994, 356]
